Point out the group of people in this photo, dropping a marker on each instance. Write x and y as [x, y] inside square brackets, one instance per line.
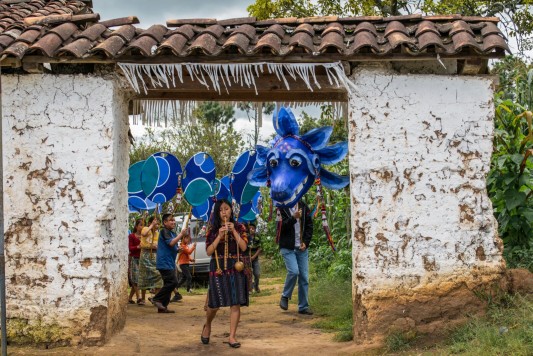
[149, 259]
[227, 242]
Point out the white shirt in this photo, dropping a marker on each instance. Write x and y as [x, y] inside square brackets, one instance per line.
[297, 241]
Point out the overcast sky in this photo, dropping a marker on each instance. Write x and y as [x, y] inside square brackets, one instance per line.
[152, 12]
[159, 11]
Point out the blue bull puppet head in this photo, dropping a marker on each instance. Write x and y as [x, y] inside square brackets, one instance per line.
[293, 162]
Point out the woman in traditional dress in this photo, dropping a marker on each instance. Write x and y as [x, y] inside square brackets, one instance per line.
[134, 245]
[149, 277]
[225, 242]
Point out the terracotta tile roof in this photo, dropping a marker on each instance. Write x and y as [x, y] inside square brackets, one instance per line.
[69, 31]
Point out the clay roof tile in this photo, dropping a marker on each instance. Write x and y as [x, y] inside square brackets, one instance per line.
[157, 32]
[363, 39]
[366, 26]
[464, 39]
[247, 30]
[271, 41]
[395, 27]
[240, 41]
[332, 39]
[305, 27]
[334, 27]
[175, 43]
[459, 26]
[205, 43]
[186, 31]
[64, 30]
[275, 29]
[77, 48]
[126, 32]
[489, 29]
[428, 39]
[304, 40]
[111, 46]
[29, 36]
[426, 26]
[93, 32]
[493, 41]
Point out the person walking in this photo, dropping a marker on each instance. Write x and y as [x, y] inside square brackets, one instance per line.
[255, 250]
[228, 285]
[184, 261]
[167, 251]
[134, 245]
[149, 278]
[294, 239]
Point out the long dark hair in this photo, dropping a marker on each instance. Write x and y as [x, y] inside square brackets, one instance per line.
[217, 222]
[137, 223]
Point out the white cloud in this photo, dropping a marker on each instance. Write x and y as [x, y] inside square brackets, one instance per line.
[159, 11]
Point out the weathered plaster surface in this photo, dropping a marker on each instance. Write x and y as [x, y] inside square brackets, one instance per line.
[65, 166]
[423, 230]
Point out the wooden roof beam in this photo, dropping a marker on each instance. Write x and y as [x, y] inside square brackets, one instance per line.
[121, 21]
[52, 19]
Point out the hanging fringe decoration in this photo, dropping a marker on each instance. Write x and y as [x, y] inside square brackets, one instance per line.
[159, 112]
[320, 202]
[214, 76]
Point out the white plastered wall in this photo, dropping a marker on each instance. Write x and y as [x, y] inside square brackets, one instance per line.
[65, 173]
[423, 228]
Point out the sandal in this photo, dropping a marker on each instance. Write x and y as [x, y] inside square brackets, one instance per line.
[205, 340]
[141, 302]
[235, 344]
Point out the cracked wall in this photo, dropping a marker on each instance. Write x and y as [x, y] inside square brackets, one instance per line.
[424, 236]
[65, 167]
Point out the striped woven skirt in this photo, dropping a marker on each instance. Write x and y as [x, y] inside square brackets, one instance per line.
[149, 276]
[133, 271]
[230, 288]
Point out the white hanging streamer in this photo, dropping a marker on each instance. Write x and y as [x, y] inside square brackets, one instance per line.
[211, 74]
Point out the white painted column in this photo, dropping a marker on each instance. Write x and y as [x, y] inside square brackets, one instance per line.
[65, 166]
[424, 236]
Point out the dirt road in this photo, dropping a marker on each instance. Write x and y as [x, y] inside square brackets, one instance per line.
[264, 329]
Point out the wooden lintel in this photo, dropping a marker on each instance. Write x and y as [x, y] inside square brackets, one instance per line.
[33, 68]
[473, 66]
[169, 59]
[316, 96]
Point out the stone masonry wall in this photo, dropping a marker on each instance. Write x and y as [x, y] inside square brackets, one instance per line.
[424, 235]
[65, 166]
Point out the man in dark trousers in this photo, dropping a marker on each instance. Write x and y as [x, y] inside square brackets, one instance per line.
[167, 250]
[294, 240]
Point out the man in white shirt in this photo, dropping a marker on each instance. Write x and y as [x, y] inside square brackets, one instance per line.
[295, 237]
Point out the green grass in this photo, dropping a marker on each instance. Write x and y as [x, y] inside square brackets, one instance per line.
[506, 329]
[332, 300]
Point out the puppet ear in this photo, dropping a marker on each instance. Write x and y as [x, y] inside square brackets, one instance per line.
[333, 154]
[258, 177]
[333, 180]
[261, 155]
[318, 138]
[285, 123]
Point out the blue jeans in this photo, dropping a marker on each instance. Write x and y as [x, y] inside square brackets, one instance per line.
[297, 264]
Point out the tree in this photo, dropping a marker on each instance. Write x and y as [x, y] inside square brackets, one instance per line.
[215, 114]
[250, 108]
[516, 15]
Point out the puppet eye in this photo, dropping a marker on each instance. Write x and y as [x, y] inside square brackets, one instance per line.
[294, 162]
[273, 162]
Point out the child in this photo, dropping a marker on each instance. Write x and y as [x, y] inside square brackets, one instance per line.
[184, 261]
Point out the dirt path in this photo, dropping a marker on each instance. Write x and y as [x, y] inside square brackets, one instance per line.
[264, 329]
